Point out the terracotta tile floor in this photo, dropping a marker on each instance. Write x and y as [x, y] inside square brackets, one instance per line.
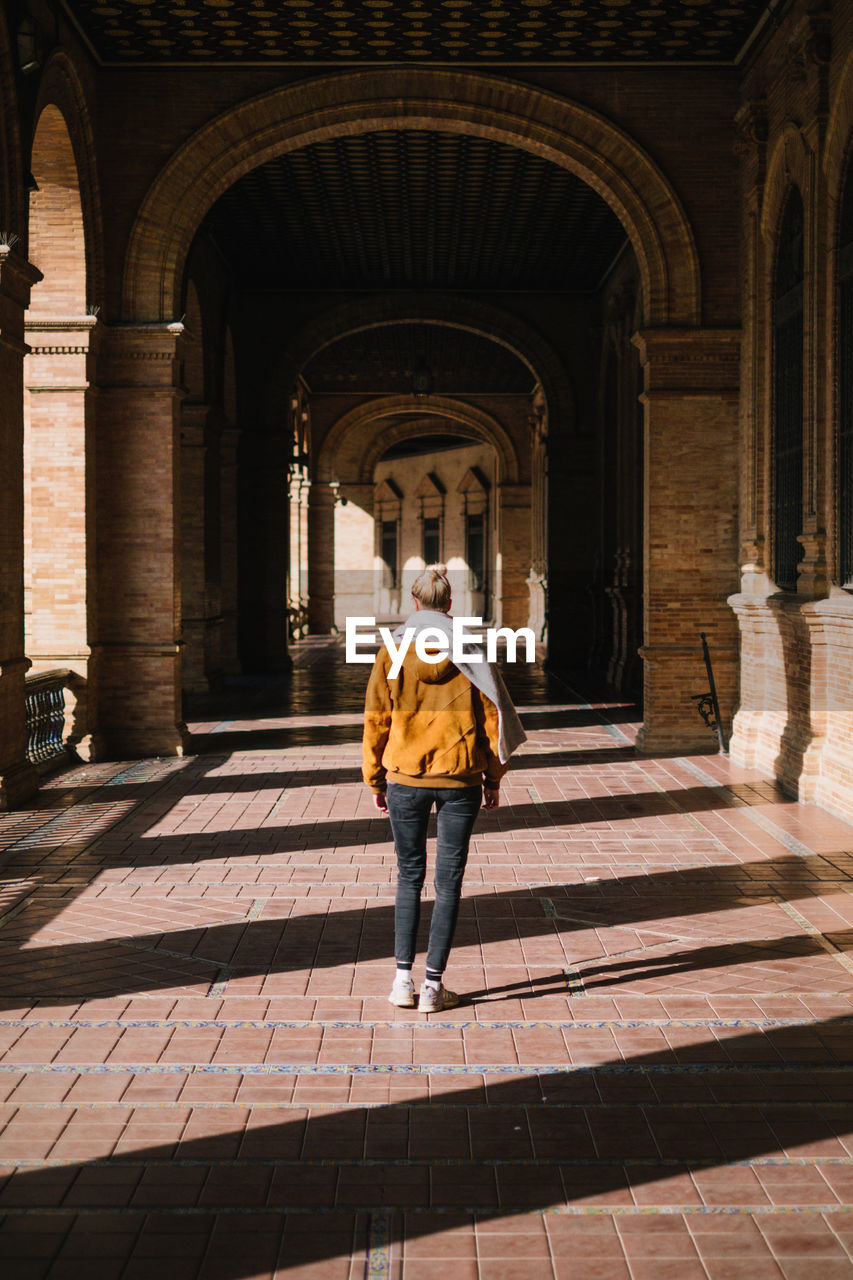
[200, 1075]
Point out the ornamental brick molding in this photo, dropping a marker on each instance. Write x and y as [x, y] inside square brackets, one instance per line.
[555, 128]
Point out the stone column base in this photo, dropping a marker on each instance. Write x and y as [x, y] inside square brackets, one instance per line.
[138, 693]
[537, 587]
[795, 722]
[674, 674]
[18, 782]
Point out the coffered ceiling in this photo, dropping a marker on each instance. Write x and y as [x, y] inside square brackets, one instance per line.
[483, 32]
[412, 209]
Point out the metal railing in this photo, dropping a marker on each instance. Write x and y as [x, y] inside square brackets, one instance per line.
[707, 704]
[45, 714]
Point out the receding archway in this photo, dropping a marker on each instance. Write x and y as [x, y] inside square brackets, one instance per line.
[504, 349]
[496, 324]
[564, 132]
[352, 502]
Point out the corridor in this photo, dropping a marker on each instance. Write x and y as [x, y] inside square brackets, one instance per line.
[202, 1078]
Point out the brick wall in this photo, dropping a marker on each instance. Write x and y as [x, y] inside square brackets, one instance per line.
[796, 700]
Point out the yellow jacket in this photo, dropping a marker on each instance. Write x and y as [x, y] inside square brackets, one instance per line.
[429, 727]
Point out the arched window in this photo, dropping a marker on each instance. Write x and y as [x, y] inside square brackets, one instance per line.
[788, 393]
[845, 385]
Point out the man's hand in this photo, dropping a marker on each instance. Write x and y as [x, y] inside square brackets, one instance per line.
[381, 801]
[491, 799]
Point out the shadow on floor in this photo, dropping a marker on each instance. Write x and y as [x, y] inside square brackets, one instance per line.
[217, 1201]
[165, 958]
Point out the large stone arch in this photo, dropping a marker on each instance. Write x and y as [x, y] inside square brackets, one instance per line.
[60, 88]
[350, 451]
[497, 324]
[554, 128]
[788, 165]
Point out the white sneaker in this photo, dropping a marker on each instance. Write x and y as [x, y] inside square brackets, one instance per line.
[403, 993]
[434, 999]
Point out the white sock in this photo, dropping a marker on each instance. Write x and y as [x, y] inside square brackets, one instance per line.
[403, 975]
[432, 984]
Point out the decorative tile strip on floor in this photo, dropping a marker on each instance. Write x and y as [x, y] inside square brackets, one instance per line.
[401, 1024]
[378, 1263]
[419, 1069]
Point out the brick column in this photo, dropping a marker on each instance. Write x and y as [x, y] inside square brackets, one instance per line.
[690, 529]
[572, 547]
[136, 648]
[18, 778]
[514, 502]
[354, 542]
[228, 445]
[297, 603]
[537, 575]
[321, 558]
[264, 523]
[193, 516]
[59, 520]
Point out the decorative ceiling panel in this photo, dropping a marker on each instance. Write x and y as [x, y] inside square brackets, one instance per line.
[487, 32]
[415, 209]
[383, 359]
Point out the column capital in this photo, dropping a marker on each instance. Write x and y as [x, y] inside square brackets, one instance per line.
[360, 490]
[689, 361]
[141, 355]
[514, 495]
[59, 352]
[17, 275]
[60, 335]
[322, 493]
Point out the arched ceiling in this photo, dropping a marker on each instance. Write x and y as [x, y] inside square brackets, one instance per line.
[415, 209]
[382, 360]
[480, 32]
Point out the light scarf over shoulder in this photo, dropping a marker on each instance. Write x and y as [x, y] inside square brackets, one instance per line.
[483, 676]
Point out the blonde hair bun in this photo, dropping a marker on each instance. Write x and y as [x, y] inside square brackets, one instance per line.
[432, 589]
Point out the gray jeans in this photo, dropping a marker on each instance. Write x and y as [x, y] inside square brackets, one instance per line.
[409, 810]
